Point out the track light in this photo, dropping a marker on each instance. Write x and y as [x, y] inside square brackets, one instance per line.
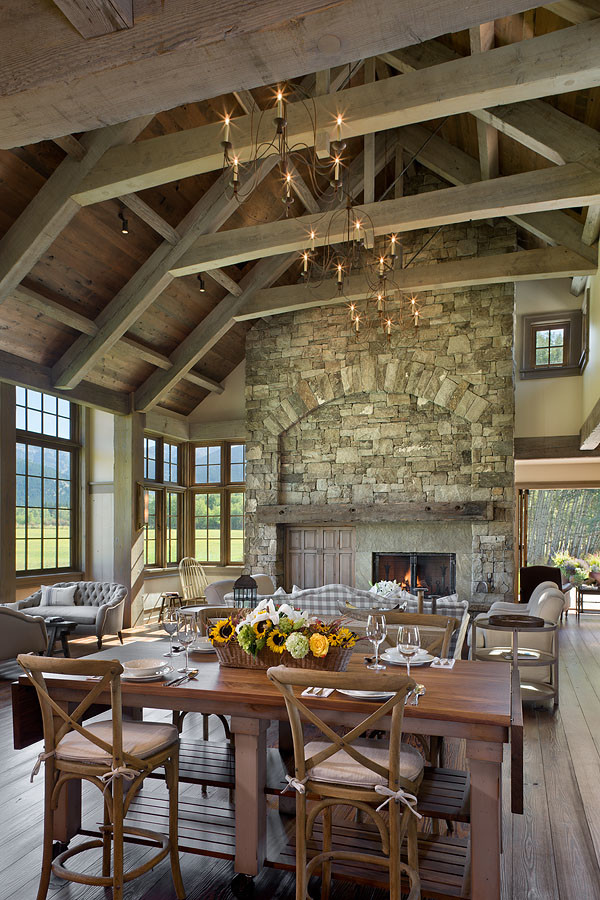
[124, 223]
[201, 283]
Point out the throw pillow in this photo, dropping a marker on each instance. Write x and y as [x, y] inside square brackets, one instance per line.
[58, 596]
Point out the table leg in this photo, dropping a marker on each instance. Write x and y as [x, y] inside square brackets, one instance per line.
[250, 797]
[51, 630]
[65, 645]
[485, 763]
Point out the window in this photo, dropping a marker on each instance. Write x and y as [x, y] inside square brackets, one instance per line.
[164, 503]
[219, 473]
[554, 344]
[47, 469]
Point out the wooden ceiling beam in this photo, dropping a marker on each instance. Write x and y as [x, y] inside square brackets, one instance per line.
[222, 278]
[71, 146]
[525, 265]
[591, 228]
[562, 187]
[575, 12]
[455, 166]
[181, 52]
[222, 318]
[482, 38]
[210, 213]
[562, 61]
[534, 123]
[92, 18]
[144, 212]
[17, 370]
[53, 208]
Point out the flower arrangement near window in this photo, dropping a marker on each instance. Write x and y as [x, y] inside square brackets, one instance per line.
[270, 635]
[578, 571]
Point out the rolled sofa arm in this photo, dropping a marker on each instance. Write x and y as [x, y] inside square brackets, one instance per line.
[29, 602]
[20, 633]
[109, 619]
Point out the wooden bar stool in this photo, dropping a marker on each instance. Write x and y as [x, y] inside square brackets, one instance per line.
[105, 754]
[340, 771]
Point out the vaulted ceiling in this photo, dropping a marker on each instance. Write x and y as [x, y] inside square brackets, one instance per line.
[506, 112]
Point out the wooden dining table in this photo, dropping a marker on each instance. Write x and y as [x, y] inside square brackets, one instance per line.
[472, 701]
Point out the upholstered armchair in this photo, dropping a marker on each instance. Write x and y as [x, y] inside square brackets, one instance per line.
[20, 633]
[97, 606]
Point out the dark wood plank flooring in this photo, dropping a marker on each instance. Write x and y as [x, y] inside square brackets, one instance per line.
[552, 852]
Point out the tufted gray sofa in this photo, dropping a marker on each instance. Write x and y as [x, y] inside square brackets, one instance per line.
[99, 605]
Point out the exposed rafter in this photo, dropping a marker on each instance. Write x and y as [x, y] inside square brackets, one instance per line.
[52, 208]
[525, 265]
[554, 63]
[209, 214]
[545, 189]
[182, 52]
[482, 39]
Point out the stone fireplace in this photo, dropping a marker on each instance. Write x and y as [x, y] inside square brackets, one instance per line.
[423, 423]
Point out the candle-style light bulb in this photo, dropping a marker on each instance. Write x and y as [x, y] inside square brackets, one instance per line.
[381, 265]
[339, 121]
[357, 324]
[280, 104]
[227, 121]
[388, 327]
[379, 302]
[236, 173]
[337, 169]
[288, 185]
[339, 273]
[352, 310]
[312, 240]
[305, 258]
[393, 242]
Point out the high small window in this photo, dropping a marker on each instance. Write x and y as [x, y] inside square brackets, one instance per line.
[554, 344]
[208, 464]
[237, 462]
[170, 462]
[46, 483]
[150, 459]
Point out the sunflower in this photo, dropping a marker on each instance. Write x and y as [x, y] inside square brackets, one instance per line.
[345, 637]
[222, 631]
[259, 628]
[276, 641]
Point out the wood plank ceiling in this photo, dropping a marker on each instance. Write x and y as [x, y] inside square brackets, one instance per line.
[64, 324]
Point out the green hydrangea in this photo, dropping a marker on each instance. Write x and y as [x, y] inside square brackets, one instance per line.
[246, 639]
[299, 624]
[285, 625]
[297, 645]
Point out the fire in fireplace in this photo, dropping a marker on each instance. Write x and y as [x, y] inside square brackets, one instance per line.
[434, 572]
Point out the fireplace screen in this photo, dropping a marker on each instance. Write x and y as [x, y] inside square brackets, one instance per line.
[434, 572]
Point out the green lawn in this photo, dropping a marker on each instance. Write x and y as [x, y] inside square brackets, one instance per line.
[33, 547]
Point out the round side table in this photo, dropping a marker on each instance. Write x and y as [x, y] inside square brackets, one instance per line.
[524, 656]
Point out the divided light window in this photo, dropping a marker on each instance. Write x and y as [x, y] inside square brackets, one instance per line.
[219, 473]
[164, 502]
[47, 466]
[554, 345]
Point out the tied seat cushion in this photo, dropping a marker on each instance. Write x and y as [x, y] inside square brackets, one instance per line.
[141, 739]
[342, 769]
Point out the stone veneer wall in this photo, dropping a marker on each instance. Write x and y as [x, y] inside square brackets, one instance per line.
[427, 417]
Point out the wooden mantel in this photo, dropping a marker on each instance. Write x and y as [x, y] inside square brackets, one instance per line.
[349, 514]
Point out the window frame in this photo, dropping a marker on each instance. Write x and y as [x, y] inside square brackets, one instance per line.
[161, 489]
[73, 444]
[226, 488]
[575, 355]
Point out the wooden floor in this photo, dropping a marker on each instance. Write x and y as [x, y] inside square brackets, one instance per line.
[550, 853]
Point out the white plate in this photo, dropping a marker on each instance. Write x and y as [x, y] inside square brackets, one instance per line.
[368, 695]
[397, 660]
[141, 667]
[210, 649]
[156, 677]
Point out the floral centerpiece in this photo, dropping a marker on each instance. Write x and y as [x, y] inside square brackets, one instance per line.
[269, 636]
[387, 588]
[578, 571]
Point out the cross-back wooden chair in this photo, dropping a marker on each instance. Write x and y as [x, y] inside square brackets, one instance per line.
[339, 772]
[436, 631]
[104, 753]
[193, 580]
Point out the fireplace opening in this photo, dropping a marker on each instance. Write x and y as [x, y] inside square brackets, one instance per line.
[434, 572]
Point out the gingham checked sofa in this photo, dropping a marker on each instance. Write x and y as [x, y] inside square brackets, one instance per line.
[98, 606]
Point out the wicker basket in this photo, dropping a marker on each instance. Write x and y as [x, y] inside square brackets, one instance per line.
[234, 657]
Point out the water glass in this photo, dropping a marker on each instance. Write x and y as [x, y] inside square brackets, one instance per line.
[409, 643]
[169, 623]
[185, 634]
[376, 632]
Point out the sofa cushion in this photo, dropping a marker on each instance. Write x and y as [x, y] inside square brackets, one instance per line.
[57, 596]
[83, 615]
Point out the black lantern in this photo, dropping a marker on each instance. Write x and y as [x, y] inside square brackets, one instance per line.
[245, 591]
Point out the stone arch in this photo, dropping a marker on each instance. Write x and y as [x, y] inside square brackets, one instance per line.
[432, 383]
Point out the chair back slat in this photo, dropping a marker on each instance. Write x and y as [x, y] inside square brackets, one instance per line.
[57, 722]
[193, 578]
[436, 630]
[286, 679]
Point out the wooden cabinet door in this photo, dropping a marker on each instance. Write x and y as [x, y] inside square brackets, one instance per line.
[319, 555]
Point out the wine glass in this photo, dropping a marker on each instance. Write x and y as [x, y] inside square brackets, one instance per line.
[169, 623]
[185, 635]
[409, 643]
[376, 632]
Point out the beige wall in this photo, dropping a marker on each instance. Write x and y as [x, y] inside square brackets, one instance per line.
[591, 376]
[230, 405]
[546, 406]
